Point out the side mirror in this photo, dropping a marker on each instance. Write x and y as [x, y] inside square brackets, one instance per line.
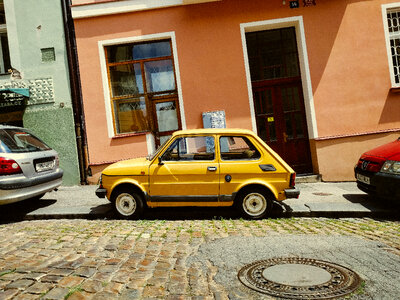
[160, 162]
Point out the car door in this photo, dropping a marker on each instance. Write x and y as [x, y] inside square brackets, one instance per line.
[240, 163]
[186, 174]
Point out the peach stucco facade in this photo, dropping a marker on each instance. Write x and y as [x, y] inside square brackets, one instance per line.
[350, 102]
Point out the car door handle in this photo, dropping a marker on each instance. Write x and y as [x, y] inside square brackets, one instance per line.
[212, 169]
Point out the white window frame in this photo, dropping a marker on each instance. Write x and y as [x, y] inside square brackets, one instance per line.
[296, 22]
[385, 9]
[106, 89]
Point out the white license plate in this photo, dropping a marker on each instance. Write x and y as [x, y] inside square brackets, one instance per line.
[45, 166]
[363, 179]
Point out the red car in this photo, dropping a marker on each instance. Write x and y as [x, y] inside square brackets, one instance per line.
[378, 171]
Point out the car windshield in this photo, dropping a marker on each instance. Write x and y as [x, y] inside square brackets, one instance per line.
[15, 140]
[151, 156]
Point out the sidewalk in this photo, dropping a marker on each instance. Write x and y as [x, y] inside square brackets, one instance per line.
[316, 200]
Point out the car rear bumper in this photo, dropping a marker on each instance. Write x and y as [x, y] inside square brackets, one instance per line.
[20, 182]
[292, 193]
[380, 184]
[19, 188]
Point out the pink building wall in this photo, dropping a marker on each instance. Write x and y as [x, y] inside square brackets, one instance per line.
[347, 59]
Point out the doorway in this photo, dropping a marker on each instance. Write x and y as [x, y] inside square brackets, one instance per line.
[278, 95]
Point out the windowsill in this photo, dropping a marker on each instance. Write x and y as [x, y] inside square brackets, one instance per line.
[395, 90]
[123, 135]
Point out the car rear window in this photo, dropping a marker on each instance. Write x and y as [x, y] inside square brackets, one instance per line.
[16, 140]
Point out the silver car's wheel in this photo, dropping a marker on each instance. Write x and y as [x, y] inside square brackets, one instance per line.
[255, 204]
[128, 204]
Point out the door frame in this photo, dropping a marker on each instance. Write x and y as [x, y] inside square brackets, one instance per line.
[296, 22]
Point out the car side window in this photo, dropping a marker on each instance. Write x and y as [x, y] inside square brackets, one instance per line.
[237, 148]
[190, 148]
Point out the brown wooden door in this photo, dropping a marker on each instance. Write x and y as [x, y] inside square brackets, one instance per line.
[281, 121]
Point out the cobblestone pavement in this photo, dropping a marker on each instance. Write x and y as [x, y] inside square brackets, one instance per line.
[184, 259]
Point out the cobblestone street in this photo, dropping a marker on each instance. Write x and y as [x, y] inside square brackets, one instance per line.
[184, 259]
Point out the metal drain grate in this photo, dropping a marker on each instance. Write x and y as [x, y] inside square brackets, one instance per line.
[299, 278]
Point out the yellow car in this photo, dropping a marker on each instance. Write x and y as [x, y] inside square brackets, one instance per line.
[201, 167]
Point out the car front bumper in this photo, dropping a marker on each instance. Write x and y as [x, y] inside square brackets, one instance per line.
[101, 192]
[18, 188]
[382, 185]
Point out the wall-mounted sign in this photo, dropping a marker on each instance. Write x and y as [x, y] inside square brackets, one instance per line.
[294, 4]
[214, 119]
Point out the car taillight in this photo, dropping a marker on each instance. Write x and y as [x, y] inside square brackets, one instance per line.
[292, 179]
[9, 166]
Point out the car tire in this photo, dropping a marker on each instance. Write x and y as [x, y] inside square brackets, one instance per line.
[254, 203]
[127, 204]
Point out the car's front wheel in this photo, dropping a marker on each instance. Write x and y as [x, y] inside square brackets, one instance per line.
[254, 203]
[128, 204]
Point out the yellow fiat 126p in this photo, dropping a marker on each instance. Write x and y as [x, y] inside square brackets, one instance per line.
[201, 167]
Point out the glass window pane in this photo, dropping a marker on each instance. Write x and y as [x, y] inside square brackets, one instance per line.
[292, 66]
[167, 117]
[152, 50]
[262, 130]
[272, 131]
[126, 80]
[164, 138]
[288, 124]
[15, 141]
[237, 148]
[273, 54]
[270, 107]
[254, 69]
[251, 41]
[191, 148]
[160, 75]
[296, 98]
[119, 53]
[258, 102]
[131, 115]
[299, 126]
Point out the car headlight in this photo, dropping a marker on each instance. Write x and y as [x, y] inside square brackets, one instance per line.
[391, 166]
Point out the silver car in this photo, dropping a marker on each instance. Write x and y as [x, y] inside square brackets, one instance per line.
[28, 167]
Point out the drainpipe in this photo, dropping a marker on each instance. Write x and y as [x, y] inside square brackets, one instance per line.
[75, 84]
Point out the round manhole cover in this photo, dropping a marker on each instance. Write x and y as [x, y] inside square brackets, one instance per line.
[299, 278]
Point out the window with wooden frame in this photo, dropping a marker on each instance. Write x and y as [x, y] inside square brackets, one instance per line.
[143, 89]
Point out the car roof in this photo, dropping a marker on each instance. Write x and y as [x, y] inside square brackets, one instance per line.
[214, 131]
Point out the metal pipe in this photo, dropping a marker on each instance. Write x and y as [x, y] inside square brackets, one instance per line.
[76, 94]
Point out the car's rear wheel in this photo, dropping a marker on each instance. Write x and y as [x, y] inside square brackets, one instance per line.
[127, 204]
[254, 203]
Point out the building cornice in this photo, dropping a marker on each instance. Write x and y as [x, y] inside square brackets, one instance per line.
[116, 7]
